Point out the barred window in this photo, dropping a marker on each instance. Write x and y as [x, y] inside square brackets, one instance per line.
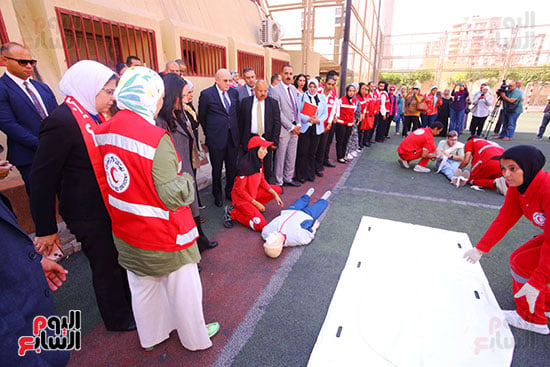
[277, 65]
[202, 58]
[87, 37]
[250, 60]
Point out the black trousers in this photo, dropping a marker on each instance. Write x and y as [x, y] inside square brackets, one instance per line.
[389, 119]
[218, 157]
[109, 278]
[330, 138]
[203, 242]
[308, 143]
[476, 125]
[414, 120]
[382, 126]
[343, 133]
[320, 153]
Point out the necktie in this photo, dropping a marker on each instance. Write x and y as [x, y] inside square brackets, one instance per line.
[260, 119]
[35, 101]
[226, 102]
[293, 104]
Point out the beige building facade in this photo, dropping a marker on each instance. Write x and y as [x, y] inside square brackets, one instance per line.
[208, 35]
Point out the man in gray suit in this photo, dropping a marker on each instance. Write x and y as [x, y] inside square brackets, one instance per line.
[247, 89]
[285, 157]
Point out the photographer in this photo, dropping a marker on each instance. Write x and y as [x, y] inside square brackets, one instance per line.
[513, 106]
[483, 100]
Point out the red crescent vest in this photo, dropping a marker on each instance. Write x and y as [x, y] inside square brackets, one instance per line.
[347, 111]
[127, 144]
[387, 104]
[331, 101]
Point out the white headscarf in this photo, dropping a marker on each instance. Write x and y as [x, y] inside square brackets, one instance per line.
[314, 81]
[83, 81]
[139, 90]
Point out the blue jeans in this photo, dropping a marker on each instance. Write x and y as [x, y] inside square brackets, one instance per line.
[314, 210]
[457, 118]
[449, 168]
[398, 119]
[543, 124]
[509, 125]
[427, 120]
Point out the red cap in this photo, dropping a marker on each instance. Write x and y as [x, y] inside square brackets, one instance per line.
[258, 141]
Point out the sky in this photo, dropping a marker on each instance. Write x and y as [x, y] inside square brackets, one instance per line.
[430, 15]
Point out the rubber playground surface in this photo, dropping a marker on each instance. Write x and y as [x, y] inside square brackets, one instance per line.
[271, 311]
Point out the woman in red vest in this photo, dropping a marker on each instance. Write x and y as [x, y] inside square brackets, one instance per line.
[251, 191]
[528, 195]
[344, 122]
[153, 228]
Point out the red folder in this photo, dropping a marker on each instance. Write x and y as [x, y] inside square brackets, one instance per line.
[309, 109]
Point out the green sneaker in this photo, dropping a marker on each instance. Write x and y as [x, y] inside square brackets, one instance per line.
[212, 329]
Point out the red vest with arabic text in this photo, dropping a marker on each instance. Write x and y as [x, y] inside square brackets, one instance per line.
[127, 144]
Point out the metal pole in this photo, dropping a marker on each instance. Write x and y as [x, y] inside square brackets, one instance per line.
[345, 49]
[375, 67]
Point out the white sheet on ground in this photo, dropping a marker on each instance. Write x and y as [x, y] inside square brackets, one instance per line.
[407, 298]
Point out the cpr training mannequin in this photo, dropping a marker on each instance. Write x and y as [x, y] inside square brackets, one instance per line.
[528, 194]
[295, 226]
[251, 191]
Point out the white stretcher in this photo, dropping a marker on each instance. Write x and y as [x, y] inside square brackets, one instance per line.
[406, 297]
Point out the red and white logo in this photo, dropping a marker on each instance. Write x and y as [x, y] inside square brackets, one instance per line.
[539, 218]
[118, 177]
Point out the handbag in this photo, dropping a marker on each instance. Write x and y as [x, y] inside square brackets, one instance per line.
[422, 106]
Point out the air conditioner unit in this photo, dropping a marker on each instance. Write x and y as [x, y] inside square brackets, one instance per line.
[270, 33]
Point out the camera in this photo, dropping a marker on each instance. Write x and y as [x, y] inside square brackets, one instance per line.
[503, 87]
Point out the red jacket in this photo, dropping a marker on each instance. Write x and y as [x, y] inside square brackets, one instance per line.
[331, 101]
[535, 205]
[245, 188]
[482, 150]
[347, 111]
[432, 108]
[127, 144]
[416, 141]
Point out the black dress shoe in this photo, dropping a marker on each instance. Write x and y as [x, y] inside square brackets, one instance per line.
[293, 184]
[212, 245]
[343, 161]
[319, 174]
[218, 202]
[310, 179]
[300, 180]
[329, 164]
[130, 327]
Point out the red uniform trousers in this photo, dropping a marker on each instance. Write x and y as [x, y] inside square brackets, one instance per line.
[485, 173]
[411, 156]
[247, 214]
[523, 262]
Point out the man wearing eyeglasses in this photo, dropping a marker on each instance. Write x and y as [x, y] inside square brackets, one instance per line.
[24, 103]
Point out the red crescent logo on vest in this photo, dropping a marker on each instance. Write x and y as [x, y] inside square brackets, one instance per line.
[118, 177]
[539, 218]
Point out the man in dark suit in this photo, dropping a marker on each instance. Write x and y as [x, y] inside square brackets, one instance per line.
[247, 90]
[260, 115]
[26, 280]
[24, 103]
[218, 116]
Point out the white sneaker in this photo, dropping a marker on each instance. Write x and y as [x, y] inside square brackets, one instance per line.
[349, 157]
[475, 187]
[456, 175]
[421, 169]
[310, 191]
[326, 195]
[515, 320]
[403, 163]
[354, 154]
[501, 186]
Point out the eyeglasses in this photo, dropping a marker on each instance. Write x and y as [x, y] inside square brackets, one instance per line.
[22, 62]
[109, 91]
